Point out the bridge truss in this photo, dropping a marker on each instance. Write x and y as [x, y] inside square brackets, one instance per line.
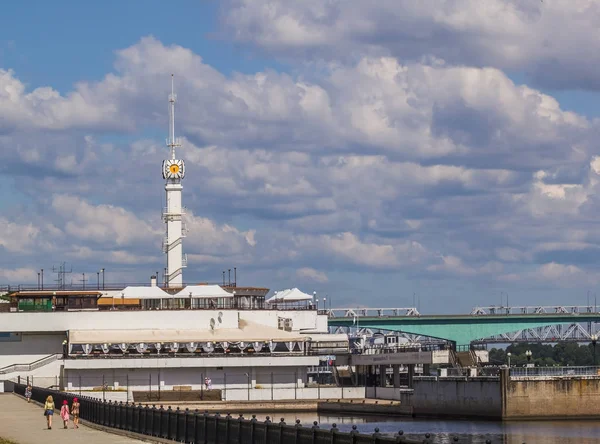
[570, 332]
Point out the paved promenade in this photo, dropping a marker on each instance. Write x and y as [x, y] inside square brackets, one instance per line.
[25, 424]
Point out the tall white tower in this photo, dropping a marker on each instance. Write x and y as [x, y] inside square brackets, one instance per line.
[173, 171]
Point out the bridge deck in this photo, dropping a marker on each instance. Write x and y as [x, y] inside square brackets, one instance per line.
[463, 329]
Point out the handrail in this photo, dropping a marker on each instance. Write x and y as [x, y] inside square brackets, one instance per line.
[31, 366]
[178, 425]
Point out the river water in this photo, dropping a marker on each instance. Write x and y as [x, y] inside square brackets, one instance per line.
[473, 432]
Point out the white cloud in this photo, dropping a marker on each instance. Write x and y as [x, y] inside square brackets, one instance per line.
[18, 274]
[508, 34]
[370, 166]
[312, 274]
[102, 223]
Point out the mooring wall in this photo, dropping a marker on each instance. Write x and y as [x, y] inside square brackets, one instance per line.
[552, 397]
[457, 396]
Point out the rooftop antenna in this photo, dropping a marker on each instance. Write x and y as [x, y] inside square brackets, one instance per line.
[172, 142]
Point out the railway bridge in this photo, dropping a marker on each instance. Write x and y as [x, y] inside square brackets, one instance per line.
[483, 325]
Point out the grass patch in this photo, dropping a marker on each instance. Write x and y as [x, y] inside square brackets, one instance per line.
[6, 441]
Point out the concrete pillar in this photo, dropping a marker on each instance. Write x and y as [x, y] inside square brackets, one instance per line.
[382, 375]
[396, 368]
[411, 375]
[426, 370]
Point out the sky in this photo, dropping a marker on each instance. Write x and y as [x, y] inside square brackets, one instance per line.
[378, 153]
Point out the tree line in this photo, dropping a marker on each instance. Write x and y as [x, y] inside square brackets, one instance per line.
[562, 354]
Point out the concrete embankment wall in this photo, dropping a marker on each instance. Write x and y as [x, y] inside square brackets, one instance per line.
[552, 398]
[266, 395]
[364, 407]
[469, 397]
[517, 398]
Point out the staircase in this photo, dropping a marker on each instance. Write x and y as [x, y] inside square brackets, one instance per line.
[30, 367]
[466, 358]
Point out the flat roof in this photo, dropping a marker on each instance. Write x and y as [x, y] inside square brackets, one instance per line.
[248, 332]
[43, 293]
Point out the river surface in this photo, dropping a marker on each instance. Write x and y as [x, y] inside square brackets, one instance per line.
[443, 431]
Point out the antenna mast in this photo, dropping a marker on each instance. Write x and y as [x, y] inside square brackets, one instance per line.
[172, 142]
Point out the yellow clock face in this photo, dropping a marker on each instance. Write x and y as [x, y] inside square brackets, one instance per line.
[174, 169]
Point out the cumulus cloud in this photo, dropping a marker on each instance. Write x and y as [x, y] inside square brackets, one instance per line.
[312, 274]
[509, 34]
[383, 164]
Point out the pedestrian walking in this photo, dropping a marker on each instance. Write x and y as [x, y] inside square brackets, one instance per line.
[64, 413]
[75, 413]
[28, 393]
[49, 411]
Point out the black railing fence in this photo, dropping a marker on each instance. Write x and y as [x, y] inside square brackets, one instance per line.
[193, 427]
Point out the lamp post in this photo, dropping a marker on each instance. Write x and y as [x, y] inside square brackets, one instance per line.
[248, 385]
[102, 271]
[508, 355]
[594, 341]
[528, 354]
[324, 303]
[98, 279]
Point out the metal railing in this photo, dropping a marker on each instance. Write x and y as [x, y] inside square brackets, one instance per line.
[370, 312]
[31, 366]
[378, 349]
[554, 371]
[318, 369]
[533, 309]
[186, 426]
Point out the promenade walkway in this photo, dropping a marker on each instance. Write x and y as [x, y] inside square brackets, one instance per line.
[25, 424]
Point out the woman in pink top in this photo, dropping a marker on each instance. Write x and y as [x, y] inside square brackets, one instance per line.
[64, 413]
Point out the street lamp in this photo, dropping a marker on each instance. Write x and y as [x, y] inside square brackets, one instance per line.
[528, 354]
[102, 271]
[325, 303]
[594, 340]
[508, 355]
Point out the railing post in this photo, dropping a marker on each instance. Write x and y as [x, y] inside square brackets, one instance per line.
[227, 427]
[154, 421]
[354, 434]
[164, 422]
[239, 430]
[333, 432]
[281, 426]
[314, 429]
[376, 436]
[172, 433]
[253, 422]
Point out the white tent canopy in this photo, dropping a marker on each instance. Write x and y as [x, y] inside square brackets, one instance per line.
[142, 292]
[290, 295]
[203, 291]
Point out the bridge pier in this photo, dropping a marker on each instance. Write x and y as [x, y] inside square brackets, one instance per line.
[396, 368]
[382, 375]
[411, 375]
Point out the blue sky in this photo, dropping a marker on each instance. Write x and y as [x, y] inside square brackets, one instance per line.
[63, 45]
[367, 153]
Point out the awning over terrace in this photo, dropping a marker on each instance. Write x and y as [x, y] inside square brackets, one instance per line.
[290, 295]
[203, 291]
[142, 292]
[248, 332]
